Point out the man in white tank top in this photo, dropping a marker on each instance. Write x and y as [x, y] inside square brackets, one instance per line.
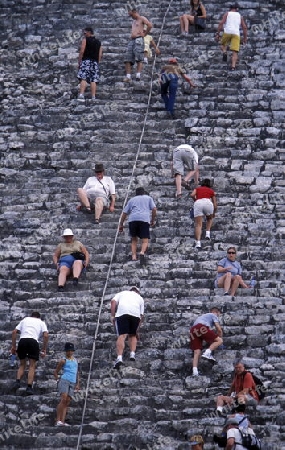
[231, 23]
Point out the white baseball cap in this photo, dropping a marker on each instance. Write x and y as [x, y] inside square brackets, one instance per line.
[67, 232]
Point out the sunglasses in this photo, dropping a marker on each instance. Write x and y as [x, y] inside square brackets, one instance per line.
[231, 253]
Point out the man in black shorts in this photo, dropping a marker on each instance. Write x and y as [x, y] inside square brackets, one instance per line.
[31, 328]
[141, 210]
[127, 310]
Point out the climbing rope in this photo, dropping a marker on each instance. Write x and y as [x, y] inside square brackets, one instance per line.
[116, 235]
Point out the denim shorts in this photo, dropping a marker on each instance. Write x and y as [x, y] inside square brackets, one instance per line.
[66, 261]
[66, 387]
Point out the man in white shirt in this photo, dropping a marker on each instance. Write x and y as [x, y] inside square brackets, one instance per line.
[127, 311]
[234, 436]
[184, 156]
[231, 23]
[99, 190]
[30, 329]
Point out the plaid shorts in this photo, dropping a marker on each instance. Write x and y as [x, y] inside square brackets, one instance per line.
[89, 71]
[135, 50]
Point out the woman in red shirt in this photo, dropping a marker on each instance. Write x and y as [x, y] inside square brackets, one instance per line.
[205, 205]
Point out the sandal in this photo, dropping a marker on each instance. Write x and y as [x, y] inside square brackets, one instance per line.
[178, 196]
[97, 221]
[186, 184]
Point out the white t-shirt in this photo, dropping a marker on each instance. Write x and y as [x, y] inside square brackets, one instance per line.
[129, 302]
[102, 188]
[31, 327]
[235, 433]
[232, 24]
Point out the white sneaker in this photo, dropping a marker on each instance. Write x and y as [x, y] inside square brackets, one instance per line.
[208, 356]
[145, 60]
[118, 363]
[59, 423]
[195, 372]
[81, 98]
[208, 235]
[198, 244]
[127, 80]
[132, 356]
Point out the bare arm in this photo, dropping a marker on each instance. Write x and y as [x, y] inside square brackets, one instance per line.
[153, 216]
[81, 51]
[45, 342]
[157, 51]
[113, 310]
[230, 444]
[100, 54]
[244, 30]
[112, 204]
[121, 224]
[59, 366]
[56, 256]
[221, 25]
[148, 26]
[219, 329]
[86, 253]
[14, 338]
[222, 269]
[204, 14]
[214, 200]
[193, 194]
[186, 78]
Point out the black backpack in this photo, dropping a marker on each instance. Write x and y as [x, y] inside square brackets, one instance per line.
[259, 385]
[250, 441]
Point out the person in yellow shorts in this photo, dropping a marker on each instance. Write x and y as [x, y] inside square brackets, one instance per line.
[148, 41]
[231, 23]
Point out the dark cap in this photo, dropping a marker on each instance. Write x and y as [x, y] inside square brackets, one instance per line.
[99, 167]
[234, 6]
[140, 191]
[69, 347]
[232, 421]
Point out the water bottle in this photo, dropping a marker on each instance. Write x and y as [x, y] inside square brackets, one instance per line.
[252, 282]
[12, 360]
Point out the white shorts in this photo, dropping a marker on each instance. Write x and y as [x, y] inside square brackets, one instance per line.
[203, 207]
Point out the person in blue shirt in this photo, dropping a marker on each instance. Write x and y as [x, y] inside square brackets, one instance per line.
[229, 273]
[141, 212]
[68, 382]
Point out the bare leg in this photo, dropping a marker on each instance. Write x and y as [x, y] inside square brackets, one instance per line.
[234, 58]
[77, 268]
[182, 24]
[62, 407]
[198, 227]
[93, 88]
[21, 369]
[197, 354]
[99, 206]
[144, 246]
[83, 197]
[235, 284]
[132, 343]
[32, 369]
[209, 221]
[224, 400]
[178, 183]
[83, 85]
[225, 281]
[121, 344]
[139, 67]
[217, 342]
[134, 243]
[128, 68]
[63, 274]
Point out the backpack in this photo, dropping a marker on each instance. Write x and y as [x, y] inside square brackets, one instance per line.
[250, 441]
[259, 385]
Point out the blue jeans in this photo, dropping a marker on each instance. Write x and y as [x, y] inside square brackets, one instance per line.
[169, 84]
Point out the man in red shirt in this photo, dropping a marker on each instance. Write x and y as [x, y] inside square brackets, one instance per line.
[242, 390]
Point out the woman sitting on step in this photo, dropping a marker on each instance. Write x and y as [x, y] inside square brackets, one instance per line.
[69, 257]
[229, 273]
[196, 17]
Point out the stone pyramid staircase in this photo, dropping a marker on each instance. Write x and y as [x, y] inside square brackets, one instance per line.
[49, 145]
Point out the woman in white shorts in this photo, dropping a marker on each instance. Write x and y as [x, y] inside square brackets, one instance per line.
[205, 205]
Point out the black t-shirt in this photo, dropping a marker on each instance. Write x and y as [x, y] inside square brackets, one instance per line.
[92, 49]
